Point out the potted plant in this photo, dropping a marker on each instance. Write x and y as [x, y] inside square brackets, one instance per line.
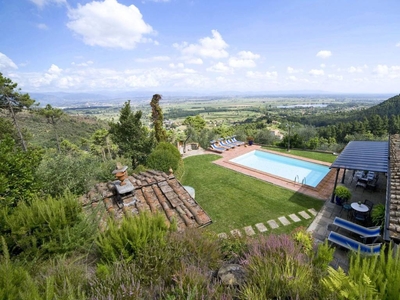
[250, 140]
[343, 194]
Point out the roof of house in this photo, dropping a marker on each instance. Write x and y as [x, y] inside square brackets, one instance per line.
[154, 191]
[394, 202]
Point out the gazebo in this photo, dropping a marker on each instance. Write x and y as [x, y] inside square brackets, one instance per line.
[365, 155]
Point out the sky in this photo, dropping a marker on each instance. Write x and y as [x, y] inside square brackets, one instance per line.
[337, 46]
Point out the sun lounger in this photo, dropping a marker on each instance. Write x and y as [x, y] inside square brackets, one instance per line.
[236, 141]
[349, 243]
[224, 144]
[231, 142]
[213, 147]
[364, 232]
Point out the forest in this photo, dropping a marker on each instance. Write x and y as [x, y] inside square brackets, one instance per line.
[51, 248]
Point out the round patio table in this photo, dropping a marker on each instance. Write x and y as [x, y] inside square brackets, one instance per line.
[359, 207]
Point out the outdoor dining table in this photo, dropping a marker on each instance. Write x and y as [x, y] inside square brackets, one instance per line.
[359, 207]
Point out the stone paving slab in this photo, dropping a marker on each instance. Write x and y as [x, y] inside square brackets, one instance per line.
[236, 232]
[304, 215]
[249, 230]
[294, 218]
[284, 221]
[273, 224]
[313, 211]
[261, 227]
[222, 235]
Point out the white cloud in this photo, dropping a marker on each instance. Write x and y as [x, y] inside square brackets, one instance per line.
[291, 70]
[213, 47]
[188, 70]
[52, 74]
[176, 66]
[152, 59]
[219, 67]
[84, 64]
[385, 71]
[381, 70]
[42, 26]
[261, 75]
[322, 65]
[42, 3]
[355, 69]
[315, 72]
[324, 54]
[244, 59]
[6, 62]
[241, 63]
[194, 61]
[398, 44]
[335, 77]
[109, 24]
[248, 55]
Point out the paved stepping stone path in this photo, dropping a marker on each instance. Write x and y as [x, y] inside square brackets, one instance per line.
[236, 232]
[249, 230]
[295, 218]
[284, 221]
[272, 223]
[304, 215]
[261, 227]
[313, 211]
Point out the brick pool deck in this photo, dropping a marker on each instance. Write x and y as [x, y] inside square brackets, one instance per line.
[323, 191]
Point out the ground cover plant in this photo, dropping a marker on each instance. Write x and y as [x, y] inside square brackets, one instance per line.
[234, 200]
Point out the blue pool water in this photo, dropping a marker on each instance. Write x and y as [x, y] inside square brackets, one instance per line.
[286, 167]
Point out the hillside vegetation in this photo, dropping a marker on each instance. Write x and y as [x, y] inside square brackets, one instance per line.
[71, 128]
[52, 248]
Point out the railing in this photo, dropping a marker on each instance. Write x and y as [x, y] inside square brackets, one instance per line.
[296, 179]
[304, 181]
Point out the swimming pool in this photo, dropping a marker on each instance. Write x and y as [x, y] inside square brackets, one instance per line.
[282, 166]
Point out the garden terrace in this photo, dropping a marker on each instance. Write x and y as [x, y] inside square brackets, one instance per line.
[154, 191]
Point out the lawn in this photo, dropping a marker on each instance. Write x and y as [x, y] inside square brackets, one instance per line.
[234, 200]
[321, 156]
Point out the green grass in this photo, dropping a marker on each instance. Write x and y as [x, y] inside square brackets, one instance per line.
[234, 200]
[321, 156]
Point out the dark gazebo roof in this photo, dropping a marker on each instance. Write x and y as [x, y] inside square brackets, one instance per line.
[364, 155]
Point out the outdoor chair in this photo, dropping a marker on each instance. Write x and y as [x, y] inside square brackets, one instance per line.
[345, 206]
[359, 216]
[369, 203]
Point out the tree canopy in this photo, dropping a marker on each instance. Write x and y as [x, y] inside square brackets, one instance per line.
[13, 100]
[133, 139]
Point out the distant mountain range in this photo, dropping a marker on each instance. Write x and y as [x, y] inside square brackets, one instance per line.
[63, 99]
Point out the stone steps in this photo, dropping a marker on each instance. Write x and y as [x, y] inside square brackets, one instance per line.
[272, 224]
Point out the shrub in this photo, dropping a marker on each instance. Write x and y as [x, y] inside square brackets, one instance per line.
[367, 278]
[17, 170]
[135, 234]
[278, 268]
[164, 157]
[343, 192]
[119, 282]
[15, 281]
[77, 173]
[378, 214]
[48, 226]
